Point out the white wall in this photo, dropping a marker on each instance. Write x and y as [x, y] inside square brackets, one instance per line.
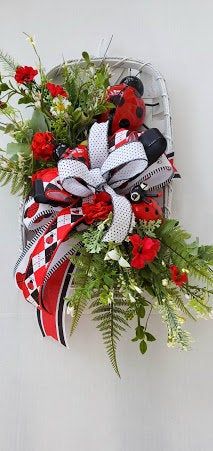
[52, 399]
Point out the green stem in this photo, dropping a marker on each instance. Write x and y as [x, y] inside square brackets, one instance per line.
[148, 317]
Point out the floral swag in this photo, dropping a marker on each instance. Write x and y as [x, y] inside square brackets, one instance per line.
[92, 175]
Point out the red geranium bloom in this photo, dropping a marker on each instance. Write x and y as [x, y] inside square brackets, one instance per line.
[178, 277]
[144, 250]
[43, 145]
[25, 74]
[56, 90]
[99, 209]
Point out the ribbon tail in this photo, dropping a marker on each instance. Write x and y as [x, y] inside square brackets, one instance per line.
[123, 218]
[54, 324]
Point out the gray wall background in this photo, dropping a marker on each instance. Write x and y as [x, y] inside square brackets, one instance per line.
[51, 398]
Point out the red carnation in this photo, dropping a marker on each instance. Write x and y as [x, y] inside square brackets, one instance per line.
[56, 90]
[177, 276]
[25, 74]
[144, 250]
[98, 209]
[43, 145]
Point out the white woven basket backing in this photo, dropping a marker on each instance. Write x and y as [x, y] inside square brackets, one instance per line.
[154, 92]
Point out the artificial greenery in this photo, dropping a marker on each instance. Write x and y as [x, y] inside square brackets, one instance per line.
[121, 295]
[176, 280]
[68, 119]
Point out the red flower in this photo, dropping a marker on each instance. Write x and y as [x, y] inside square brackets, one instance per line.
[56, 90]
[99, 209]
[43, 145]
[178, 277]
[25, 74]
[144, 250]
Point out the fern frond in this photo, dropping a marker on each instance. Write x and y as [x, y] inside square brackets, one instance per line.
[177, 299]
[7, 62]
[111, 323]
[174, 239]
[17, 173]
[79, 308]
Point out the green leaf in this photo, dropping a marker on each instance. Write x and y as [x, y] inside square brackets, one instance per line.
[150, 337]
[135, 339]
[77, 114]
[4, 87]
[9, 128]
[38, 122]
[169, 225]
[15, 148]
[141, 311]
[143, 347]
[206, 253]
[86, 57]
[144, 302]
[25, 100]
[139, 332]
[7, 63]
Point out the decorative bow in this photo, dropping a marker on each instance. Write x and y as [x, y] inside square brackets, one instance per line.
[43, 271]
[108, 172]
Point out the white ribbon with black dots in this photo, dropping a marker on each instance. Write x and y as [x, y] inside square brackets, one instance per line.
[108, 172]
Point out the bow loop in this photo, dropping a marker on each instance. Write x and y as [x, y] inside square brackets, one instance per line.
[108, 172]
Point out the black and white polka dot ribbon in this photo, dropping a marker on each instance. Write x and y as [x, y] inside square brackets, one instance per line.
[108, 172]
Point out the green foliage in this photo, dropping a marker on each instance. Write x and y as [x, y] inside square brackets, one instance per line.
[150, 337]
[148, 228]
[143, 346]
[111, 322]
[7, 63]
[177, 336]
[38, 122]
[182, 254]
[174, 295]
[16, 172]
[83, 287]
[105, 277]
[93, 237]
[206, 253]
[86, 85]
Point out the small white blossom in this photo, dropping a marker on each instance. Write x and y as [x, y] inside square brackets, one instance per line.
[185, 270]
[164, 282]
[70, 310]
[37, 99]
[187, 296]
[163, 263]
[60, 106]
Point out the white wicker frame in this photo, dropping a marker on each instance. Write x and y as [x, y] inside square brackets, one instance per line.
[154, 91]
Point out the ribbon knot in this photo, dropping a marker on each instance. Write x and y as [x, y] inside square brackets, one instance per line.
[99, 181]
[108, 172]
